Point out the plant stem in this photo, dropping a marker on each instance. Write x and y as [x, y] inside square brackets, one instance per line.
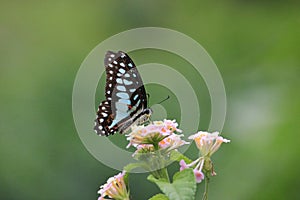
[205, 195]
[164, 173]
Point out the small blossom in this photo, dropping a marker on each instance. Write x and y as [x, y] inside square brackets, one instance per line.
[114, 188]
[199, 175]
[171, 125]
[183, 165]
[171, 142]
[197, 166]
[208, 143]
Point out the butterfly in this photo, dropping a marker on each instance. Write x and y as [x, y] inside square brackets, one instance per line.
[126, 98]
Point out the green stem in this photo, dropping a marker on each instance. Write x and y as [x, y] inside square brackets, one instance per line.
[160, 172]
[164, 173]
[156, 174]
[205, 195]
[156, 147]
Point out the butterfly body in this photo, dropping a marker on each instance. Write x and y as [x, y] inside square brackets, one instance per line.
[126, 99]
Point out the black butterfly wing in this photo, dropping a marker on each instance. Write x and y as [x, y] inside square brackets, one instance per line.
[125, 95]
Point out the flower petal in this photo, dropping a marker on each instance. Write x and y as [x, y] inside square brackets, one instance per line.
[198, 175]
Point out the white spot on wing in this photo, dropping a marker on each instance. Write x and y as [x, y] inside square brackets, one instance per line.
[119, 80]
[104, 114]
[126, 75]
[135, 97]
[126, 82]
[121, 88]
[123, 95]
[122, 64]
[125, 101]
[138, 102]
[122, 71]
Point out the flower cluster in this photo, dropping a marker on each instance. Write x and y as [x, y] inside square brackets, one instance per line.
[114, 188]
[154, 144]
[167, 144]
[157, 135]
[208, 144]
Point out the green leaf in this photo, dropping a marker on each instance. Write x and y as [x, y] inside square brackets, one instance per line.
[177, 156]
[182, 188]
[159, 197]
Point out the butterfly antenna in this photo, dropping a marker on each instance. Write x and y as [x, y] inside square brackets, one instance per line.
[168, 97]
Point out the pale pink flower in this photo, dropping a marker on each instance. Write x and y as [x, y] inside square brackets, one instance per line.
[151, 134]
[114, 188]
[183, 165]
[199, 175]
[208, 143]
[171, 125]
[171, 142]
[197, 166]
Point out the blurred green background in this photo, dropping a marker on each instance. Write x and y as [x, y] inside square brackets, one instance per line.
[255, 44]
